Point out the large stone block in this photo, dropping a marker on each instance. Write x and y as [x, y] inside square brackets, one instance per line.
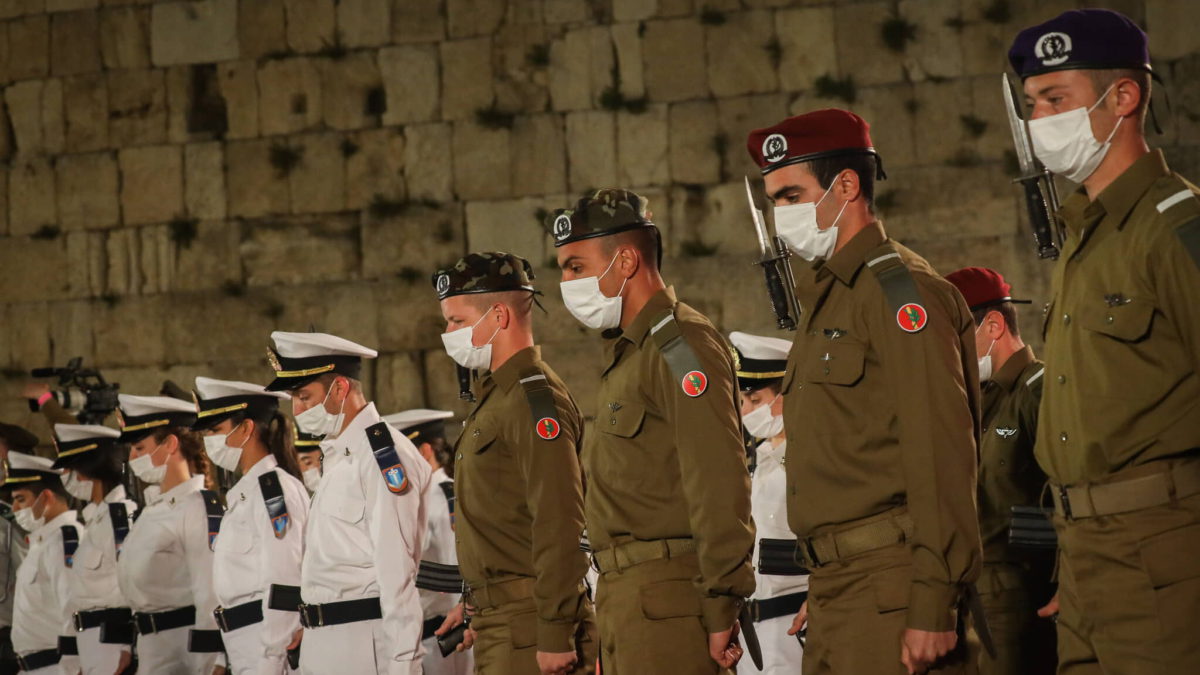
[946, 202]
[591, 150]
[311, 24]
[375, 170]
[634, 10]
[520, 82]
[131, 332]
[26, 109]
[29, 47]
[181, 83]
[190, 339]
[418, 21]
[713, 216]
[200, 31]
[137, 107]
[262, 28]
[351, 91]
[860, 48]
[30, 343]
[289, 93]
[254, 187]
[411, 244]
[71, 331]
[399, 382]
[345, 310]
[582, 68]
[15, 8]
[539, 166]
[364, 23]
[428, 162]
[468, 18]
[411, 318]
[694, 157]
[937, 52]
[70, 5]
[642, 147]
[85, 112]
[125, 37]
[807, 50]
[466, 77]
[942, 134]
[481, 161]
[151, 184]
[204, 180]
[318, 183]
[210, 260]
[239, 87]
[3, 210]
[737, 117]
[157, 260]
[510, 225]
[74, 43]
[565, 11]
[1171, 23]
[87, 263]
[88, 191]
[411, 80]
[672, 71]
[301, 250]
[627, 41]
[33, 269]
[123, 252]
[31, 196]
[739, 59]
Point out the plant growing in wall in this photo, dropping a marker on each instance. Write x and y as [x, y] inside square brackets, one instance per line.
[47, 232]
[999, 12]
[538, 56]
[285, 158]
[897, 31]
[492, 117]
[973, 125]
[842, 89]
[183, 231]
[712, 17]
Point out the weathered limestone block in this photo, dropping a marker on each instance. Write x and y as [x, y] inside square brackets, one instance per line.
[189, 336]
[399, 382]
[937, 51]
[31, 196]
[137, 107]
[180, 92]
[123, 251]
[301, 249]
[428, 162]
[3, 211]
[941, 134]
[1173, 25]
[737, 117]
[581, 68]
[628, 44]
[74, 43]
[15, 8]
[262, 28]
[87, 263]
[318, 183]
[412, 82]
[70, 5]
[33, 269]
[411, 243]
[739, 61]
[200, 31]
[565, 11]
[509, 225]
[418, 21]
[311, 24]
[347, 310]
[204, 180]
[807, 50]
[210, 261]
[634, 10]
[71, 331]
[481, 161]
[239, 87]
[85, 112]
[151, 184]
[539, 163]
[352, 92]
[125, 37]
[468, 18]
[521, 84]
[88, 191]
[289, 94]
[131, 332]
[413, 319]
[673, 69]
[860, 48]
[642, 147]
[364, 23]
[26, 102]
[29, 47]
[713, 216]
[30, 344]
[591, 150]
[375, 170]
[254, 187]
[693, 156]
[466, 77]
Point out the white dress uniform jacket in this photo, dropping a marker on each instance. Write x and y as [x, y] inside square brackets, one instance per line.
[363, 541]
[12, 552]
[439, 547]
[93, 580]
[248, 558]
[768, 505]
[166, 564]
[42, 609]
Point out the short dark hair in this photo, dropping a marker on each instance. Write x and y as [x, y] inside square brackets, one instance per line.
[106, 466]
[1007, 310]
[645, 240]
[826, 169]
[1103, 79]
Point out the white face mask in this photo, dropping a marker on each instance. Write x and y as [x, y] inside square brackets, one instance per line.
[1065, 144]
[761, 423]
[312, 478]
[26, 521]
[144, 468]
[77, 488]
[221, 453]
[797, 225]
[588, 305]
[317, 421]
[985, 362]
[461, 347]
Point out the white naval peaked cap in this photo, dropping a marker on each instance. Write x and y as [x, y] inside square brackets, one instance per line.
[20, 461]
[308, 345]
[67, 433]
[139, 406]
[759, 347]
[416, 417]
[209, 388]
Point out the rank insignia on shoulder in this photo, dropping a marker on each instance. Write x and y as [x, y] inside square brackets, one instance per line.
[547, 428]
[1004, 432]
[912, 317]
[694, 383]
[394, 475]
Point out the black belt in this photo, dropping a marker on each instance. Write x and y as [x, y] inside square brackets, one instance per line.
[240, 616]
[773, 608]
[46, 657]
[157, 622]
[337, 613]
[98, 617]
[431, 625]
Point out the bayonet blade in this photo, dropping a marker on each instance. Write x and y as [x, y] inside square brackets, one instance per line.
[760, 227]
[1020, 131]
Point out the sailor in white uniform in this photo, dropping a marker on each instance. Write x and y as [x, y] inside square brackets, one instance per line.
[308, 454]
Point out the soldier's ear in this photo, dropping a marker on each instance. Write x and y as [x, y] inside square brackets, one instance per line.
[847, 185]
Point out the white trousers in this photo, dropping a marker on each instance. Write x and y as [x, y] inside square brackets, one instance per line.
[781, 652]
[96, 657]
[245, 651]
[459, 663]
[166, 653]
[358, 648]
[48, 670]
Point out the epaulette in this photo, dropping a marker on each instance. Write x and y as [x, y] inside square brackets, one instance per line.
[1189, 230]
[904, 300]
[542, 409]
[448, 490]
[680, 357]
[119, 516]
[70, 535]
[394, 476]
[215, 512]
[272, 493]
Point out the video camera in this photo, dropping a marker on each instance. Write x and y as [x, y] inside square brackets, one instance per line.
[84, 392]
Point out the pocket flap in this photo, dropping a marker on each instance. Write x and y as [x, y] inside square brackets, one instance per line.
[233, 541]
[892, 587]
[343, 507]
[1129, 321]
[1171, 556]
[621, 418]
[476, 438]
[836, 362]
[90, 558]
[670, 599]
[522, 630]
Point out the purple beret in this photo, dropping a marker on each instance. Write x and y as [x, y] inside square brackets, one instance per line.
[1081, 39]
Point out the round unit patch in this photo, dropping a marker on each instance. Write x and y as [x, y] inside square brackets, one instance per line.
[562, 227]
[443, 283]
[1053, 48]
[547, 428]
[912, 317]
[774, 148]
[694, 383]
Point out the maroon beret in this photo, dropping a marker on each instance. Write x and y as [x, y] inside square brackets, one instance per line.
[815, 135]
[982, 287]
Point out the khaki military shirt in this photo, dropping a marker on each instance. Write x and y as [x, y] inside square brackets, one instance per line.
[1008, 474]
[1123, 328]
[666, 459]
[887, 417]
[519, 509]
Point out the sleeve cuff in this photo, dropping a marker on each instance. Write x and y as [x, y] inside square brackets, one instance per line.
[719, 612]
[933, 608]
[555, 637]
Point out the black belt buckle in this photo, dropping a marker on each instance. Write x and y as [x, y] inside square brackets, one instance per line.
[1065, 499]
[811, 553]
[78, 622]
[754, 609]
[219, 615]
[306, 619]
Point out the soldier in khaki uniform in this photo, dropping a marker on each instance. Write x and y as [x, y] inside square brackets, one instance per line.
[519, 486]
[1119, 431]
[1016, 580]
[668, 494]
[882, 378]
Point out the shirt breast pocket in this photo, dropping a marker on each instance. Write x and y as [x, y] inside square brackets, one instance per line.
[89, 557]
[623, 419]
[1128, 320]
[27, 573]
[343, 507]
[233, 541]
[836, 363]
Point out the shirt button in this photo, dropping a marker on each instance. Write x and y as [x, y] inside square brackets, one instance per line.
[1063, 437]
[1109, 318]
[1062, 379]
[459, 456]
[612, 421]
[1066, 319]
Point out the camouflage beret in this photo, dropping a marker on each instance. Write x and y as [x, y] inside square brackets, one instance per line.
[487, 272]
[599, 214]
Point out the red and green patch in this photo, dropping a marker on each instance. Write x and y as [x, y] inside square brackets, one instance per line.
[547, 428]
[912, 317]
[694, 383]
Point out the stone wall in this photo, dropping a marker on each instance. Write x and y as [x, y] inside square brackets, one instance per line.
[179, 178]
